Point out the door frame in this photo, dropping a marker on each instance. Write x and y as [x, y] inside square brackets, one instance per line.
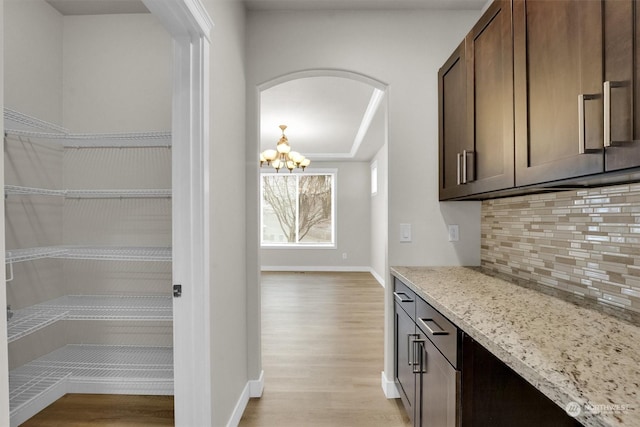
[189, 25]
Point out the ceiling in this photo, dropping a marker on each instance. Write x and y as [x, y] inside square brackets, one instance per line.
[328, 118]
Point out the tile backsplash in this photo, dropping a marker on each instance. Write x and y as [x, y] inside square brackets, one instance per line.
[586, 242]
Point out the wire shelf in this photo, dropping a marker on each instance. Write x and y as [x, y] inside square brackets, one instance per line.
[30, 254]
[89, 307]
[87, 368]
[98, 140]
[117, 253]
[30, 394]
[25, 126]
[105, 253]
[118, 194]
[88, 194]
[29, 320]
[11, 190]
[23, 122]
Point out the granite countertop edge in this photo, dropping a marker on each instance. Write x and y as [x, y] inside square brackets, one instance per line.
[554, 379]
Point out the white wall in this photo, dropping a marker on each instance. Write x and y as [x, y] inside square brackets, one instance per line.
[121, 61]
[379, 218]
[228, 289]
[352, 223]
[403, 49]
[4, 365]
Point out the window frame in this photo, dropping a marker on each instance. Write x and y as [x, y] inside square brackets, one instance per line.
[334, 222]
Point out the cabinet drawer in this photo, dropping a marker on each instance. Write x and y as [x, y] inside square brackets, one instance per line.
[439, 330]
[405, 298]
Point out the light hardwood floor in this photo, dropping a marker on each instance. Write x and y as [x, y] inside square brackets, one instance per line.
[322, 339]
[79, 410]
[322, 346]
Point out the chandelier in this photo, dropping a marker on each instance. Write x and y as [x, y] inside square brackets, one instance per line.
[282, 156]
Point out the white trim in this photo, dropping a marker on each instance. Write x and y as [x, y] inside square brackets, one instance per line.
[377, 277]
[189, 25]
[182, 17]
[323, 72]
[389, 387]
[253, 388]
[327, 268]
[256, 386]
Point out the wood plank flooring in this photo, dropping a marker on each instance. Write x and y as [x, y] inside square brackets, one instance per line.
[322, 344]
[79, 410]
[322, 338]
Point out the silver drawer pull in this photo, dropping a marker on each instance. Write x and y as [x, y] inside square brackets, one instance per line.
[607, 110]
[439, 330]
[402, 297]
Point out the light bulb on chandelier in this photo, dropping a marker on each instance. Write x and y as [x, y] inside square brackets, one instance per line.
[282, 156]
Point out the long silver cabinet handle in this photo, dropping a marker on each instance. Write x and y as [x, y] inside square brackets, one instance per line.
[402, 297]
[432, 331]
[607, 114]
[458, 174]
[420, 353]
[607, 110]
[582, 145]
[464, 166]
[410, 350]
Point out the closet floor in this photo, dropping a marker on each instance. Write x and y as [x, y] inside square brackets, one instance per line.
[322, 353]
[76, 410]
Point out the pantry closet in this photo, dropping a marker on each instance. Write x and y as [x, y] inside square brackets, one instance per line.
[88, 205]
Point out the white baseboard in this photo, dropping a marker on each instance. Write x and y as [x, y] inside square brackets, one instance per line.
[303, 268]
[253, 388]
[389, 387]
[377, 277]
[256, 386]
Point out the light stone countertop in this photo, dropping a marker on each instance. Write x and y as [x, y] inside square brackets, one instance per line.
[570, 353]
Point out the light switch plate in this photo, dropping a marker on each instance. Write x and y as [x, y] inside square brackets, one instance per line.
[454, 233]
[405, 232]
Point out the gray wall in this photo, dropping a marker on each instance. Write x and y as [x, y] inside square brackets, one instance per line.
[403, 49]
[228, 290]
[353, 221]
[33, 59]
[117, 74]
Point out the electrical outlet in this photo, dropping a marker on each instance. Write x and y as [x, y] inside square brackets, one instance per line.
[454, 233]
[344, 255]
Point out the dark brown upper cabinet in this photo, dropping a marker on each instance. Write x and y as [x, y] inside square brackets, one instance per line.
[452, 113]
[621, 84]
[489, 58]
[476, 109]
[552, 99]
[558, 83]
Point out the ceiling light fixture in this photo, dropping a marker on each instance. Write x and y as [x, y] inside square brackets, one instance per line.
[282, 156]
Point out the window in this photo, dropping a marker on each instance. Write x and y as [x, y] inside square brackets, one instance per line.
[298, 209]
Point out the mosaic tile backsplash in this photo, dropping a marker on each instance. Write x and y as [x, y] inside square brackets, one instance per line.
[586, 242]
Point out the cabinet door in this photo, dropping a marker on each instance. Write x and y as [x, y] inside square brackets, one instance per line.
[438, 388]
[494, 395]
[557, 89]
[489, 57]
[452, 124]
[621, 62]
[405, 330]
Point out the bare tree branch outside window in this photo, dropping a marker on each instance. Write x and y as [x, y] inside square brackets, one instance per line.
[297, 209]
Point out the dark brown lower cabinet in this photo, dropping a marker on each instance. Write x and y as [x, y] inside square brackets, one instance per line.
[494, 395]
